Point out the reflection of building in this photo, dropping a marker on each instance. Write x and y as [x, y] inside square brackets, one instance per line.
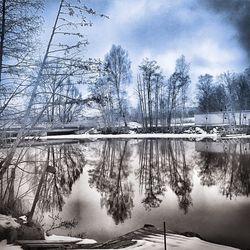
[219, 147]
[223, 118]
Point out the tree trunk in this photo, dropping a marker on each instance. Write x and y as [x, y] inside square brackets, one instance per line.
[2, 39]
[6, 162]
[41, 182]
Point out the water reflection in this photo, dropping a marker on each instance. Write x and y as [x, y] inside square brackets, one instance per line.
[163, 163]
[151, 173]
[10, 183]
[227, 165]
[55, 176]
[110, 178]
[7, 192]
[41, 178]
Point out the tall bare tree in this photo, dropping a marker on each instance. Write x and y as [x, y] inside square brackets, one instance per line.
[177, 87]
[149, 83]
[19, 23]
[66, 55]
[118, 73]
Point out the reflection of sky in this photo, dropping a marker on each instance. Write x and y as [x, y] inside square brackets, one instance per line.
[212, 215]
[163, 30]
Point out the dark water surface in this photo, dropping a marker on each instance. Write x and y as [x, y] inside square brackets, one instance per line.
[111, 187]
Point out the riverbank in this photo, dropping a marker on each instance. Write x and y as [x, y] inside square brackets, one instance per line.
[59, 135]
[128, 136]
[147, 237]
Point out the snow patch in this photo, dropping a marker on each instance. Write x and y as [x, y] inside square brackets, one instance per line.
[23, 218]
[87, 241]
[133, 125]
[177, 242]
[195, 130]
[214, 131]
[8, 222]
[62, 238]
[130, 136]
[132, 132]
[5, 246]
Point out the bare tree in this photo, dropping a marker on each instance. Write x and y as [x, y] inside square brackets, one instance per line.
[205, 93]
[102, 93]
[177, 88]
[148, 89]
[118, 73]
[19, 24]
[63, 101]
[66, 54]
[183, 68]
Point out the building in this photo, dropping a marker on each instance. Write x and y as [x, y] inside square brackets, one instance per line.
[223, 118]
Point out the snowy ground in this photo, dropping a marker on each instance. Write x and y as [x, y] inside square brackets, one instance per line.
[128, 136]
[54, 237]
[5, 246]
[176, 242]
[190, 133]
[156, 242]
[8, 222]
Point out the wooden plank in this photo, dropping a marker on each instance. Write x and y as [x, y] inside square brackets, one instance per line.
[46, 243]
[52, 246]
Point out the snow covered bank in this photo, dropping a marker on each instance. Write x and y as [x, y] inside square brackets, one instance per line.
[54, 237]
[177, 242]
[236, 136]
[129, 136]
[5, 246]
[8, 222]
[150, 237]
[156, 242]
[147, 237]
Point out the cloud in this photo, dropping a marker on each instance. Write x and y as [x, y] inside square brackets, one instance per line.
[206, 32]
[237, 12]
[213, 35]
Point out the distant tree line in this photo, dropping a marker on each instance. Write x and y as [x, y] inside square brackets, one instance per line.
[159, 98]
[162, 100]
[228, 92]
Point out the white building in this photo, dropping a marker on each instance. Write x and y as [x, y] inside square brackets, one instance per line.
[223, 118]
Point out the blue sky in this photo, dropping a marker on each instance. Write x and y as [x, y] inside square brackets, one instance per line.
[163, 30]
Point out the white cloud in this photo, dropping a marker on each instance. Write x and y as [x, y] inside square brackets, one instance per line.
[164, 30]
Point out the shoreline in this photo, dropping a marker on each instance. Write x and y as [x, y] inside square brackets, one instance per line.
[141, 136]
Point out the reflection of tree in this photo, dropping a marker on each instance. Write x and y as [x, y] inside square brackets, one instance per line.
[163, 162]
[55, 176]
[11, 181]
[7, 193]
[48, 172]
[110, 179]
[209, 164]
[151, 173]
[229, 169]
[179, 175]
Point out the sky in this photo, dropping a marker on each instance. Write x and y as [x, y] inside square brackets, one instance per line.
[213, 35]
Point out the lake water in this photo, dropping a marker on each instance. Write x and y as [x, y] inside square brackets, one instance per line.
[111, 187]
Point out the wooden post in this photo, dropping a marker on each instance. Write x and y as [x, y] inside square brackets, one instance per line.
[165, 242]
